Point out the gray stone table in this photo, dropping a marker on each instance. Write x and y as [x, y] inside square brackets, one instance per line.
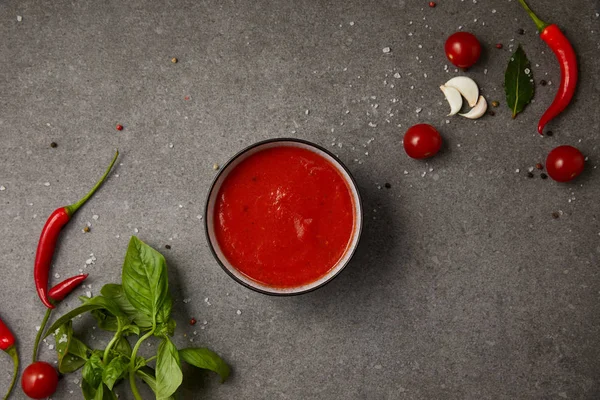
[464, 285]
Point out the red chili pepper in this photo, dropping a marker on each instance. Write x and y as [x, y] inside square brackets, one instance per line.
[563, 50]
[7, 343]
[49, 237]
[63, 289]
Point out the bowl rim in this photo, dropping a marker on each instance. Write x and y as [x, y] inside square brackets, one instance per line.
[242, 152]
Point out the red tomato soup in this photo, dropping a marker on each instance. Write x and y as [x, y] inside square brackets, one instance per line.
[284, 217]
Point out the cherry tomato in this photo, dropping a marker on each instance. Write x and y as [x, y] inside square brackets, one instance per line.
[463, 49]
[39, 380]
[422, 141]
[564, 163]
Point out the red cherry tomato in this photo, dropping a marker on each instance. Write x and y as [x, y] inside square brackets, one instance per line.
[463, 49]
[39, 380]
[564, 163]
[422, 141]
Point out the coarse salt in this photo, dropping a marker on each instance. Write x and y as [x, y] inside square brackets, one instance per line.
[387, 50]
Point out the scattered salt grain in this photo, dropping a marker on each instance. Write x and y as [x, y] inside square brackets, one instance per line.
[372, 125]
[307, 112]
[2, 188]
[418, 110]
[95, 217]
[57, 275]
[51, 347]
[37, 327]
[397, 75]
[47, 184]
[239, 312]
[170, 145]
[517, 171]
[136, 230]
[187, 300]
[387, 50]
[19, 18]
[88, 294]
[351, 23]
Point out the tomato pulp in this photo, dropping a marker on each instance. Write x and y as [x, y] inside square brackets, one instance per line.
[284, 217]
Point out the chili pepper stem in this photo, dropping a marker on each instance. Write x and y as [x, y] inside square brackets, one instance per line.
[74, 207]
[541, 25]
[40, 332]
[12, 352]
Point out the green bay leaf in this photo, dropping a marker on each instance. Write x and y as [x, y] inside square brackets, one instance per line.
[519, 85]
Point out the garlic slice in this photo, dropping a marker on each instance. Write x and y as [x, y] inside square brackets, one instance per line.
[467, 87]
[454, 99]
[478, 111]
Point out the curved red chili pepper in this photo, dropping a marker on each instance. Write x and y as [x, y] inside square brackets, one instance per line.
[49, 237]
[45, 252]
[63, 289]
[563, 50]
[7, 343]
[567, 60]
[7, 340]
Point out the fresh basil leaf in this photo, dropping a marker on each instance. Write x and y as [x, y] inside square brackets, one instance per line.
[145, 280]
[123, 347]
[108, 304]
[114, 371]
[72, 353]
[89, 392]
[117, 294]
[518, 82]
[104, 393]
[105, 320]
[168, 370]
[129, 330]
[140, 362]
[95, 303]
[164, 313]
[205, 359]
[148, 375]
[168, 329]
[92, 370]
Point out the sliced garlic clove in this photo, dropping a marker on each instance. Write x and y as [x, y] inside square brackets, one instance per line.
[467, 87]
[477, 111]
[454, 99]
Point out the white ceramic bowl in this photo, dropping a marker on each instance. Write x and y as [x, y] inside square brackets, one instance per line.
[211, 200]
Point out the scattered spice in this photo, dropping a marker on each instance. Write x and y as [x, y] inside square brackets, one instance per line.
[388, 185]
[495, 103]
[529, 175]
[499, 45]
[215, 166]
[492, 113]
[168, 246]
[53, 145]
[119, 127]
[432, 4]
[521, 31]
[543, 176]
[193, 321]
[86, 229]
[186, 98]
[543, 82]
[174, 60]
[539, 166]
[555, 215]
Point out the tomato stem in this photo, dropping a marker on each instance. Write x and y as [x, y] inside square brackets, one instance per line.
[12, 352]
[541, 25]
[40, 332]
[74, 207]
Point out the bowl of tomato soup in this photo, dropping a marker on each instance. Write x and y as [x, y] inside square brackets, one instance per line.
[283, 216]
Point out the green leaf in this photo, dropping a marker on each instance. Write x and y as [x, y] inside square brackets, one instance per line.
[95, 303]
[164, 313]
[105, 320]
[92, 370]
[114, 371]
[89, 392]
[122, 346]
[72, 353]
[518, 82]
[147, 374]
[164, 330]
[144, 276]
[117, 294]
[168, 370]
[205, 359]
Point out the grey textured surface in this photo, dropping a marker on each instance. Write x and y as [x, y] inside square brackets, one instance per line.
[464, 285]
